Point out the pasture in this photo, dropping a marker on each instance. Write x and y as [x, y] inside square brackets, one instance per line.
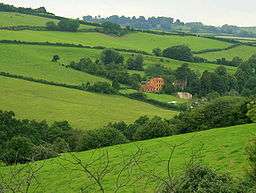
[222, 149]
[136, 40]
[243, 52]
[84, 110]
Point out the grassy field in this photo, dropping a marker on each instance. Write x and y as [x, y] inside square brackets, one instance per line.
[243, 52]
[173, 64]
[165, 98]
[138, 41]
[223, 149]
[82, 109]
[18, 19]
[15, 19]
[35, 61]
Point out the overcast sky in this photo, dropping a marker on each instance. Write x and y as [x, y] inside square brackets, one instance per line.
[215, 12]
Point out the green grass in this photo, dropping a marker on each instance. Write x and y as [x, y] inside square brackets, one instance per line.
[82, 109]
[138, 41]
[35, 61]
[173, 64]
[18, 19]
[223, 149]
[165, 98]
[243, 52]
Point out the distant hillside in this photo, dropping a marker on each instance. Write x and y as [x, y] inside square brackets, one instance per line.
[169, 24]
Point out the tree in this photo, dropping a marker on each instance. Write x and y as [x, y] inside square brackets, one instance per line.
[68, 25]
[251, 151]
[181, 52]
[115, 85]
[236, 61]
[19, 150]
[55, 58]
[112, 28]
[135, 63]
[157, 52]
[243, 73]
[157, 70]
[110, 57]
[50, 25]
[221, 112]
[252, 111]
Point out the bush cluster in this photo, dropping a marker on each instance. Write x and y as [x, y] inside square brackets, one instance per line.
[72, 45]
[64, 25]
[24, 140]
[111, 66]
[98, 87]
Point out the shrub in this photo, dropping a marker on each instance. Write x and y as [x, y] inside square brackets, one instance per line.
[252, 111]
[50, 25]
[68, 25]
[251, 152]
[221, 112]
[154, 128]
[157, 52]
[135, 63]
[102, 87]
[138, 95]
[112, 28]
[55, 58]
[101, 138]
[19, 150]
[181, 52]
[201, 179]
[110, 56]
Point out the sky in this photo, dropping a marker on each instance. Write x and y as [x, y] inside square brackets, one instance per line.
[212, 12]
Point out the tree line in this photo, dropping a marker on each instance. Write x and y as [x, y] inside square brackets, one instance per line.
[169, 24]
[26, 140]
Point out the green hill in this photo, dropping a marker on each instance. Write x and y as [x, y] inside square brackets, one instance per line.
[18, 19]
[243, 52]
[35, 61]
[222, 149]
[137, 41]
[82, 109]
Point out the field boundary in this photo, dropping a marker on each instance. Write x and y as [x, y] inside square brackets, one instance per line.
[80, 88]
[74, 46]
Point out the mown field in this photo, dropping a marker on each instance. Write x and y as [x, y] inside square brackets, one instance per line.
[35, 61]
[165, 98]
[222, 149]
[82, 109]
[243, 52]
[18, 19]
[137, 41]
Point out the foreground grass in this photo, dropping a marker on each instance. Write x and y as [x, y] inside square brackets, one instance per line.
[82, 109]
[222, 149]
[243, 52]
[137, 41]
